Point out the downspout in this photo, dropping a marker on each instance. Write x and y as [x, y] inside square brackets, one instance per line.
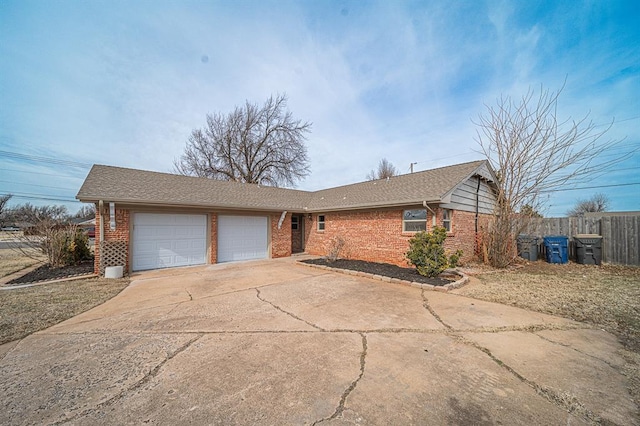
[433, 214]
[477, 203]
[101, 210]
[282, 216]
[101, 213]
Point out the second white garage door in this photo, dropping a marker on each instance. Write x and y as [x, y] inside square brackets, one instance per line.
[168, 240]
[242, 238]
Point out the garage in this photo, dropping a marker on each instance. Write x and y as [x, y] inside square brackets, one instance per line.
[242, 238]
[168, 240]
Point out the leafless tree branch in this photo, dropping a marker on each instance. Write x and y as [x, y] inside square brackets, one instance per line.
[385, 170]
[533, 152]
[253, 144]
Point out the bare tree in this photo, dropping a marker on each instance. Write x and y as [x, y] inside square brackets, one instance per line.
[385, 170]
[31, 214]
[253, 144]
[48, 232]
[88, 211]
[3, 204]
[535, 152]
[597, 203]
[530, 212]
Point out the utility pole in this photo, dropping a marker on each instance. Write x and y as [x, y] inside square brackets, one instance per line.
[411, 166]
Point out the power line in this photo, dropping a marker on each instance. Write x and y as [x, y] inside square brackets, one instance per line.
[38, 196]
[591, 187]
[596, 125]
[26, 197]
[445, 158]
[38, 159]
[40, 186]
[44, 174]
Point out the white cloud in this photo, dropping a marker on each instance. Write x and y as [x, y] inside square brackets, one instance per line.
[125, 84]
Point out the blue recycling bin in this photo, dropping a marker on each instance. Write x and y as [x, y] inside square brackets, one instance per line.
[556, 248]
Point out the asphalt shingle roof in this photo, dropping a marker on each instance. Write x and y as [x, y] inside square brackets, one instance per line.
[131, 186]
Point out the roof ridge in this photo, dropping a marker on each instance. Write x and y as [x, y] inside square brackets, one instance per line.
[400, 176]
[201, 179]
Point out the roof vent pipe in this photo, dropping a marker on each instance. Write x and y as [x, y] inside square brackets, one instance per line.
[282, 216]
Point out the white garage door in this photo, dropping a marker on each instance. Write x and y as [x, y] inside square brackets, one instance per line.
[168, 240]
[242, 238]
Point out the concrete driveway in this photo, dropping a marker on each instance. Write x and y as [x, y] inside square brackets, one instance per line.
[273, 342]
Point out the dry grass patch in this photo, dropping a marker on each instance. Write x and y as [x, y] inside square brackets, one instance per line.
[607, 296]
[27, 310]
[14, 260]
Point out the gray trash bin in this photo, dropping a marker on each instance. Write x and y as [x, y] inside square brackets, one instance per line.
[588, 249]
[528, 247]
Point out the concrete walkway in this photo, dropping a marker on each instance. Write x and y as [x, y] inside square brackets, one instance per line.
[272, 342]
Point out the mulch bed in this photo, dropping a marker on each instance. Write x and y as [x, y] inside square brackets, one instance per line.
[47, 273]
[383, 269]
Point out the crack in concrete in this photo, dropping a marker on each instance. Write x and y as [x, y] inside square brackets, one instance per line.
[566, 345]
[428, 307]
[147, 377]
[533, 328]
[352, 386]
[571, 405]
[190, 296]
[286, 312]
[11, 350]
[450, 331]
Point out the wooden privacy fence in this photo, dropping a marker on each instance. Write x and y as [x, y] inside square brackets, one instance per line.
[620, 234]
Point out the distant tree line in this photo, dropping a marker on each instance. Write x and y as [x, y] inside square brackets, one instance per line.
[29, 214]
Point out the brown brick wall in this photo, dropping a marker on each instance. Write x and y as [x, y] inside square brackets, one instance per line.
[374, 235]
[462, 235]
[377, 235]
[280, 238]
[121, 233]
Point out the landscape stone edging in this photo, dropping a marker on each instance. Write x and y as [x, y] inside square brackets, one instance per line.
[445, 288]
[57, 280]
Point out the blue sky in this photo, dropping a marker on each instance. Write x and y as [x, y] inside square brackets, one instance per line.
[123, 83]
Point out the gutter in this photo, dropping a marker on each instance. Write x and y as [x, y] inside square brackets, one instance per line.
[301, 209]
[208, 207]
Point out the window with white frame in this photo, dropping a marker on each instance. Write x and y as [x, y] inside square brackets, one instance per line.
[294, 222]
[414, 220]
[320, 222]
[446, 219]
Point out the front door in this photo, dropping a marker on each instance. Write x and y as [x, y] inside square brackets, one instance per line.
[297, 233]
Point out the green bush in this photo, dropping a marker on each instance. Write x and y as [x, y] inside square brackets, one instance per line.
[78, 248]
[426, 252]
[455, 258]
[64, 246]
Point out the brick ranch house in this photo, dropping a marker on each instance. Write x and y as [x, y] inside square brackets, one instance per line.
[149, 220]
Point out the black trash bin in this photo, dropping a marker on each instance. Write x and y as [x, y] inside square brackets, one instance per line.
[528, 247]
[588, 249]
